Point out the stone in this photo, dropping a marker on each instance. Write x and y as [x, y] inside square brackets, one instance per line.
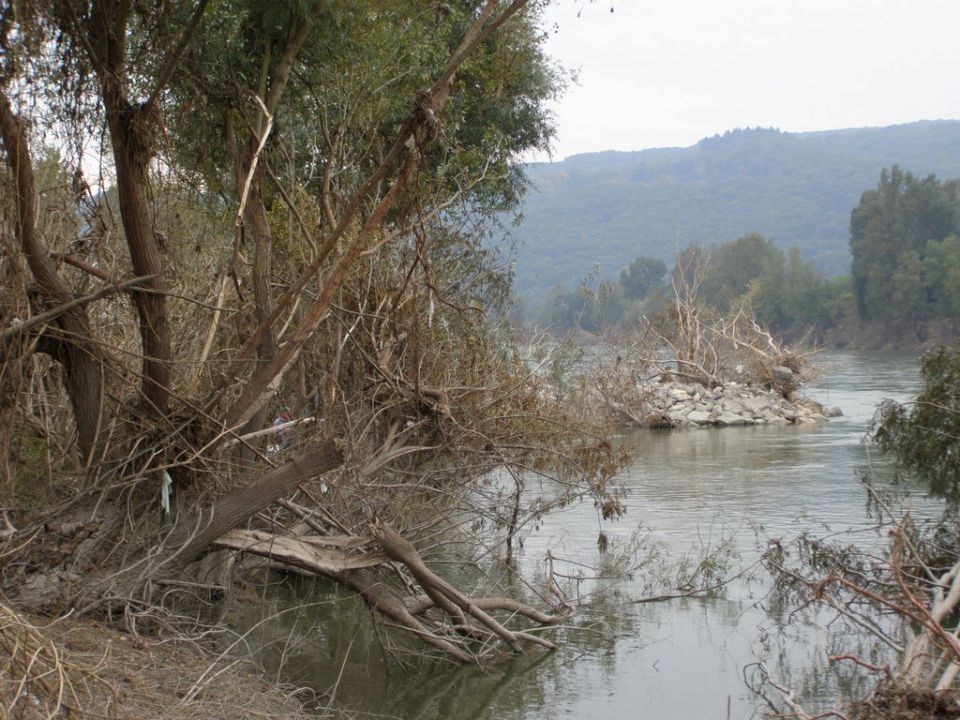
[781, 375]
[699, 417]
[757, 406]
[732, 406]
[727, 418]
[811, 406]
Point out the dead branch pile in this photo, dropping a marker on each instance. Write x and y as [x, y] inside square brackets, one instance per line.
[897, 702]
[34, 679]
[905, 602]
[697, 345]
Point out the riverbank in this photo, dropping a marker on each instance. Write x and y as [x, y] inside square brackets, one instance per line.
[79, 668]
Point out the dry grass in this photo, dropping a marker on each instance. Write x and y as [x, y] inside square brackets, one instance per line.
[79, 669]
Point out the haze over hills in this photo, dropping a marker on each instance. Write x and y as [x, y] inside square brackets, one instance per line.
[605, 209]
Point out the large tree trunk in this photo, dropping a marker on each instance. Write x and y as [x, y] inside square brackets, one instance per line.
[71, 337]
[131, 127]
[131, 155]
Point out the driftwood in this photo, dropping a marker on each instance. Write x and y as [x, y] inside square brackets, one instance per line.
[447, 597]
[351, 560]
[328, 556]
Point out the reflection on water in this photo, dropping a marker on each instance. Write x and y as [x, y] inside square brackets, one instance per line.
[678, 659]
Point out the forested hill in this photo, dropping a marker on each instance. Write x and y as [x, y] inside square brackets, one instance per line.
[604, 209]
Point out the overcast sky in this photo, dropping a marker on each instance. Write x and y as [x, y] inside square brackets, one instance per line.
[659, 73]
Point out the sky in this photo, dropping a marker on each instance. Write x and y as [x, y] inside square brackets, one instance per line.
[663, 73]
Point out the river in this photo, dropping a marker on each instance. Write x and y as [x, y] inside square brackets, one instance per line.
[688, 492]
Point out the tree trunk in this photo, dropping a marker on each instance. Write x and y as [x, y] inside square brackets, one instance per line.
[104, 35]
[131, 155]
[256, 222]
[196, 532]
[72, 336]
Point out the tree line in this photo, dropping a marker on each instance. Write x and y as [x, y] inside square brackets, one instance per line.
[905, 275]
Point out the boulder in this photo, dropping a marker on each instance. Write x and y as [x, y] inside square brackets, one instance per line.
[728, 418]
[811, 406]
[782, 375]
[759, 407]
[699, 417]
[732, 406]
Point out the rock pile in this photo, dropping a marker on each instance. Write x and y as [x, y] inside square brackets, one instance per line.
[680, 405]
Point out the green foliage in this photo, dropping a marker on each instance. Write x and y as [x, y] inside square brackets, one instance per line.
[893, 230]
[350, 88]
[590, 309]
[925, 435]
[734, 265]
[643, 276]
[791, 295]
[941, 272]
[785, 292]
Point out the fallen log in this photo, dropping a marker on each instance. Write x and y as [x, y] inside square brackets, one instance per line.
[351, 561]
[195, 533]
[323, 555]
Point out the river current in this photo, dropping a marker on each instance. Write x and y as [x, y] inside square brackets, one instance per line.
[727, 490]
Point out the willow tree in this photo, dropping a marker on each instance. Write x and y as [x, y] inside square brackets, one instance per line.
[302, 190]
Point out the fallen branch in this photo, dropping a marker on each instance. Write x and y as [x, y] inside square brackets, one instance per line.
[328, 556]
[350, 560]
[45, 317]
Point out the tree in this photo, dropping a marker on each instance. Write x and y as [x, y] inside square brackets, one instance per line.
[941, 273]
[734, 265]
[924, 435]
[642, 277]
[592, 309]
[792, 297]
[302, 204]
[909, 293]
[902, 215]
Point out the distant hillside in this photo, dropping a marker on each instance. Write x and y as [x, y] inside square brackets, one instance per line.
[796, 188]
